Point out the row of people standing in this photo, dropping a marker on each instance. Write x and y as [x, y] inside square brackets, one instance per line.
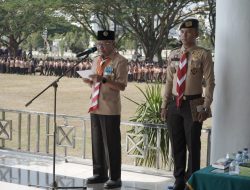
[48, 67]
[145, 72]
[17, 65]
[58, 67]
[138, 71]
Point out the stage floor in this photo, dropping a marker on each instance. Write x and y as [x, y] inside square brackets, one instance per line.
[22, 171]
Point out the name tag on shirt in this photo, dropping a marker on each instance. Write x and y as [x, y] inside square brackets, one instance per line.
[108, 71]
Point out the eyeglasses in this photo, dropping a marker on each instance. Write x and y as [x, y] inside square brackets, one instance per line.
[103, 44]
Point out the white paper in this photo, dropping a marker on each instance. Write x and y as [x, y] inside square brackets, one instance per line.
[85, 73]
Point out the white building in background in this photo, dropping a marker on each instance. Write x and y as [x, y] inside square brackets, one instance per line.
[231, 106]
[56, 47]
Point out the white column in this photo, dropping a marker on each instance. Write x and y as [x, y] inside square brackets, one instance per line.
[231, 106]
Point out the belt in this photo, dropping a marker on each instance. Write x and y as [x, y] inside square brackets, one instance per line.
[188, 97]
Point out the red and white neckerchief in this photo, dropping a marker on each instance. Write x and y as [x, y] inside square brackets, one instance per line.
[101, 64]
[181, 79]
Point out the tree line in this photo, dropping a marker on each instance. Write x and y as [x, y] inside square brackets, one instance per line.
[144, 25]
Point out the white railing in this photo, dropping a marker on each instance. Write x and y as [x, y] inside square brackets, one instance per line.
[31, 131]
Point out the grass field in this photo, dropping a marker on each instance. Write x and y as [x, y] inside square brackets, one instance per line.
[72, 97]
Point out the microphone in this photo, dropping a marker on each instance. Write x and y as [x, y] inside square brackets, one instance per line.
[87, 52]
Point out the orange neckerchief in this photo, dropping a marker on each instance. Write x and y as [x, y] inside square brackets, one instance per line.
[101, 64]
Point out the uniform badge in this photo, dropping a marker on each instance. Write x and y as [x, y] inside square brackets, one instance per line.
[105, 33]
[196, 55]
[109, 72]
[174, 65]
[194, 71]
[188, 24]
[173, 70]
[175, 58]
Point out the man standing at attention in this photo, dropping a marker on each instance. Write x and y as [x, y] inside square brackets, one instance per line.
[110, 77]
[184, 106]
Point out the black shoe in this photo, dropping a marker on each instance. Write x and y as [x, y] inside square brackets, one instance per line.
[179, 186]
[96, 179]
[111, 184]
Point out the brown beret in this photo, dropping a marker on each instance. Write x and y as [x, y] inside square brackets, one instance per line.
[190, 23]
[105, 35]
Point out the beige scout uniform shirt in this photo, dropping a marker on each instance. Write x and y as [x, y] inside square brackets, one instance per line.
[200, 65]
[109, 99]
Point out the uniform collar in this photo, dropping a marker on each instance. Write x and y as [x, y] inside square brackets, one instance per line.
[183, 50]
[112, 55]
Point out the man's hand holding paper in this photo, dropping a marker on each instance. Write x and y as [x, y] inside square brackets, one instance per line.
[96, 78]
[85, 74]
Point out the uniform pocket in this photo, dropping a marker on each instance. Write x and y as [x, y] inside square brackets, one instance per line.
[111, 95]
[195, 64]
[195, 68]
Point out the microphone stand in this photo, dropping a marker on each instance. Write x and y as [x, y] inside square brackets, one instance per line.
[55, 85]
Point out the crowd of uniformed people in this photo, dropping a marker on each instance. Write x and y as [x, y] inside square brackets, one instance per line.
[139, 71]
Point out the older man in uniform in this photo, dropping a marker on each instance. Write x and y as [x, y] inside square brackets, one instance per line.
[110, 77]
[184, 106]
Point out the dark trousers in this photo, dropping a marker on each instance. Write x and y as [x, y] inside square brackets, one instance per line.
[184, 135]
[106, 145]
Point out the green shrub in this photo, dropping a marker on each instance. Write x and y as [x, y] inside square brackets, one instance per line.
[148, 112]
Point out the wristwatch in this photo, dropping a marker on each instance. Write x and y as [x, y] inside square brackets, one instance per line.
[104, 80]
